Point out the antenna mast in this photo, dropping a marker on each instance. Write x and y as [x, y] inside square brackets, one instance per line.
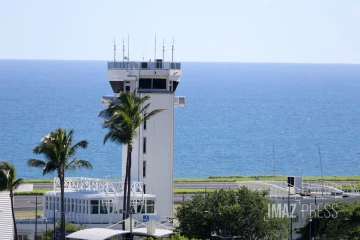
[322, 175]
[163, 50]
[155, 48]
[114, 51]
[274, 156]
[172, 51]
[123, 51]
[128, 49]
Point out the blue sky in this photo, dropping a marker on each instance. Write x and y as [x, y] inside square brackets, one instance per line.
[323, 31]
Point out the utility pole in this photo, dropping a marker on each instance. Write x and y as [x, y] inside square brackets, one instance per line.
[36, 203]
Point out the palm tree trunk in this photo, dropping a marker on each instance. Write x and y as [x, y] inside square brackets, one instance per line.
[125, 193]
[13, 215]
[129, 177]
[129, 185]
[62, 203]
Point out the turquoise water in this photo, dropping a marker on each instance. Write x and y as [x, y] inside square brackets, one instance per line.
[234, 114]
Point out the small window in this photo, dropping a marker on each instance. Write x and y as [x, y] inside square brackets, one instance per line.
[94, 206]
[150, 206]
[127, 88]
[145, 123]
[144, 145]
[144, 168]
[144, 188]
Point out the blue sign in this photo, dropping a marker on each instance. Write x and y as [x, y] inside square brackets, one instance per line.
[145, 218]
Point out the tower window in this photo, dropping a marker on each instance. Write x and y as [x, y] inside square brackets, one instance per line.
[144, 145]
[144, 168]
[144, 188]
[145, 124]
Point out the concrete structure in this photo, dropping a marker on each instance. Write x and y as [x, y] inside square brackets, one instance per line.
[153, 150]
[6, 221]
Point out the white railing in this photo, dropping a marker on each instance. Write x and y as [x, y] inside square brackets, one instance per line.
[96, 184]
[145, 65]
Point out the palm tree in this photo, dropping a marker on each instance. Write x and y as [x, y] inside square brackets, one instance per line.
[59, 151]
[8, 182]
[123, 118]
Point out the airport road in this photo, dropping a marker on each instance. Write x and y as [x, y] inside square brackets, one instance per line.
[21, 202]
[208, 185]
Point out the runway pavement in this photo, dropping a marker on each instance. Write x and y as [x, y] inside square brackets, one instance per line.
[21, 203]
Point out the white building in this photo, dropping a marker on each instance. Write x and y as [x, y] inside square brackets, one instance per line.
[153, 150]
[6, 221]
[97, 201]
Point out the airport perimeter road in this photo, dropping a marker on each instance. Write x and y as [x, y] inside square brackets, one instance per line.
[21, 203]
[208, 185]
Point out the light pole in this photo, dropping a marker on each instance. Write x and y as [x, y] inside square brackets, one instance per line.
[46, 221]
[54, 219]
[213, 221]
[310, 221]
[36, 203]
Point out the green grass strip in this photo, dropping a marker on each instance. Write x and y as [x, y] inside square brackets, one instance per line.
[35, 192]
[38, 180]
[236, 178]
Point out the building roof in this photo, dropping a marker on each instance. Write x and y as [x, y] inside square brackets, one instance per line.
[104, 233]
[96, 233]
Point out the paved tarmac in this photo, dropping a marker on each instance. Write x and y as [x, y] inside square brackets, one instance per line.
[21, 203]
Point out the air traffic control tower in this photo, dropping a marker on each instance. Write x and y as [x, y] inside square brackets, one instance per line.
[153, 149]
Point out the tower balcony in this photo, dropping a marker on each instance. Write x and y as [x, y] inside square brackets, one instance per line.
[157, 65]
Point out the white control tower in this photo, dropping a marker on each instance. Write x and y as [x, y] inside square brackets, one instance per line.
[153, 149]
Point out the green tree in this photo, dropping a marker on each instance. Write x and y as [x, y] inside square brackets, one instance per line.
[122, 119]
[8, 182]
[69, 227]
[59, 152]
[339, 219]
[229, 213]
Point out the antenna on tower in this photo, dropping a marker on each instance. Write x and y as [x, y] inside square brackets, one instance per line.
[114, 51]
[163, 50]
[273, 153]
[172, 51]
[155, 48]
[128, 56]
[123, 51]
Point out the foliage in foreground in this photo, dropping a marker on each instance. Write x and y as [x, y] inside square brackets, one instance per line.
[338, 220]
[59, 151]
[9, 182]
[229, 213]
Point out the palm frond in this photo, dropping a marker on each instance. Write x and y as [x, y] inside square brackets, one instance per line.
[17, 183]
[152, 113]
[3, 181]
[77, 163]
[36, 163]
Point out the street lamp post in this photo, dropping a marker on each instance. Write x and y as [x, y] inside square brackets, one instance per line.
[36, 203]
[54, 220]
[46, 222]
[213, 221]
[310, 227]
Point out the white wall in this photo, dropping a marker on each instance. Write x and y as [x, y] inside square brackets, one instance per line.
[6, 221]
[159, 154]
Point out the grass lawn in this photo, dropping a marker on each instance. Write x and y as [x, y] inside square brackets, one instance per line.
[28, 214]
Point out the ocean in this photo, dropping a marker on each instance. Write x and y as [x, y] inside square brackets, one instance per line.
[239, 119]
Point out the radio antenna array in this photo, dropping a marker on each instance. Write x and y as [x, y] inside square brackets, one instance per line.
[114, 51]
[123, 51]
[172, 51]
